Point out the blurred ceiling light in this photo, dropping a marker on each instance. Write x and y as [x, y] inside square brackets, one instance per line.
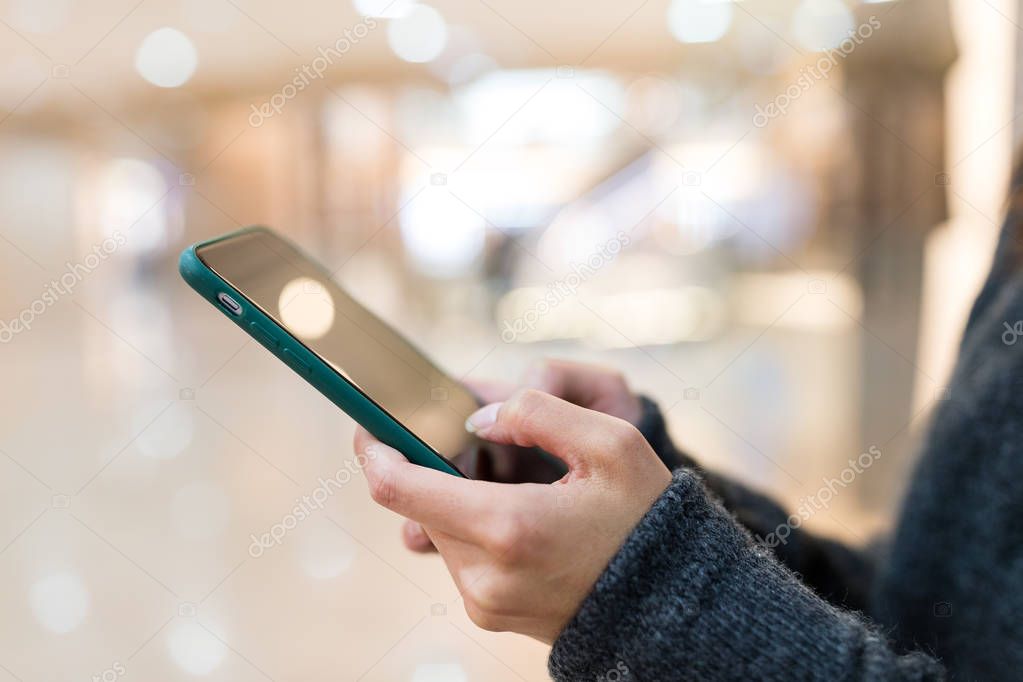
[699, 21]
[518, 188]
[39, 16]
[384, 9]
[195, 649]
[822, 24]
[166, 58]
[306, 308]
[419, 35]
[562, 107]
[443, 236]
[59, 602]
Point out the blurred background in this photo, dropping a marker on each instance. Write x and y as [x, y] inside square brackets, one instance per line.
[771, 215]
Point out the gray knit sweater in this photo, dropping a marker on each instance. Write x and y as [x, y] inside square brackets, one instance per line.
[692, 594]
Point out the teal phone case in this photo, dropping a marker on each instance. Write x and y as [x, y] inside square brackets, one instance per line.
[304, 362]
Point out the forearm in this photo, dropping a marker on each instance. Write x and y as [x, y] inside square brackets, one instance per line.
[691, 596]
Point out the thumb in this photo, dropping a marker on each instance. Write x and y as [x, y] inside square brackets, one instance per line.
[582, 438]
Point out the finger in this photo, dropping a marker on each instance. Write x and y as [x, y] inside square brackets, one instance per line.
[578, 436]
[591, 386]
[416, 539]
[457, 506]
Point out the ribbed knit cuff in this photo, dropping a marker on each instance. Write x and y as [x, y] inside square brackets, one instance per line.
[599, 642]
[690, 596]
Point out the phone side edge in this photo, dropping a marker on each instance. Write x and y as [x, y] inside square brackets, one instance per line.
[310, 367]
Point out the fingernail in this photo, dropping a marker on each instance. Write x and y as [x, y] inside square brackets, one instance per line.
[483, 418]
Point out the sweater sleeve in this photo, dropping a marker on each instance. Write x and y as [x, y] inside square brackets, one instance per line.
[840, 574]
[691, 596]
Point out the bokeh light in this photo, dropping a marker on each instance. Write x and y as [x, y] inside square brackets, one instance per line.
[699, 21]
[60, 602]
[419, 35]
[166, 58]
[306, 307]
[194, 649]
[821, 24]
[386, 9]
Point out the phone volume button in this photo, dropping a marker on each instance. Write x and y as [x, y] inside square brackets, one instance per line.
[263, 336]
[296, 364]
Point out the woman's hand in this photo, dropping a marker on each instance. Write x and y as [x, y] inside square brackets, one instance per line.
[590, 386]
[525, 555]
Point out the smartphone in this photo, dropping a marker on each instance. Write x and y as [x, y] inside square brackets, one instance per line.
[292, 307]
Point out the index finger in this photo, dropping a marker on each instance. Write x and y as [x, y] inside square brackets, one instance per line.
[460, 507]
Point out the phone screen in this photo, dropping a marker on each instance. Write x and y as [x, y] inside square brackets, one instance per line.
[297, 294]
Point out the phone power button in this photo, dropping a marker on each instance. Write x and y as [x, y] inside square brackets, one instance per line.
[296, 364]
